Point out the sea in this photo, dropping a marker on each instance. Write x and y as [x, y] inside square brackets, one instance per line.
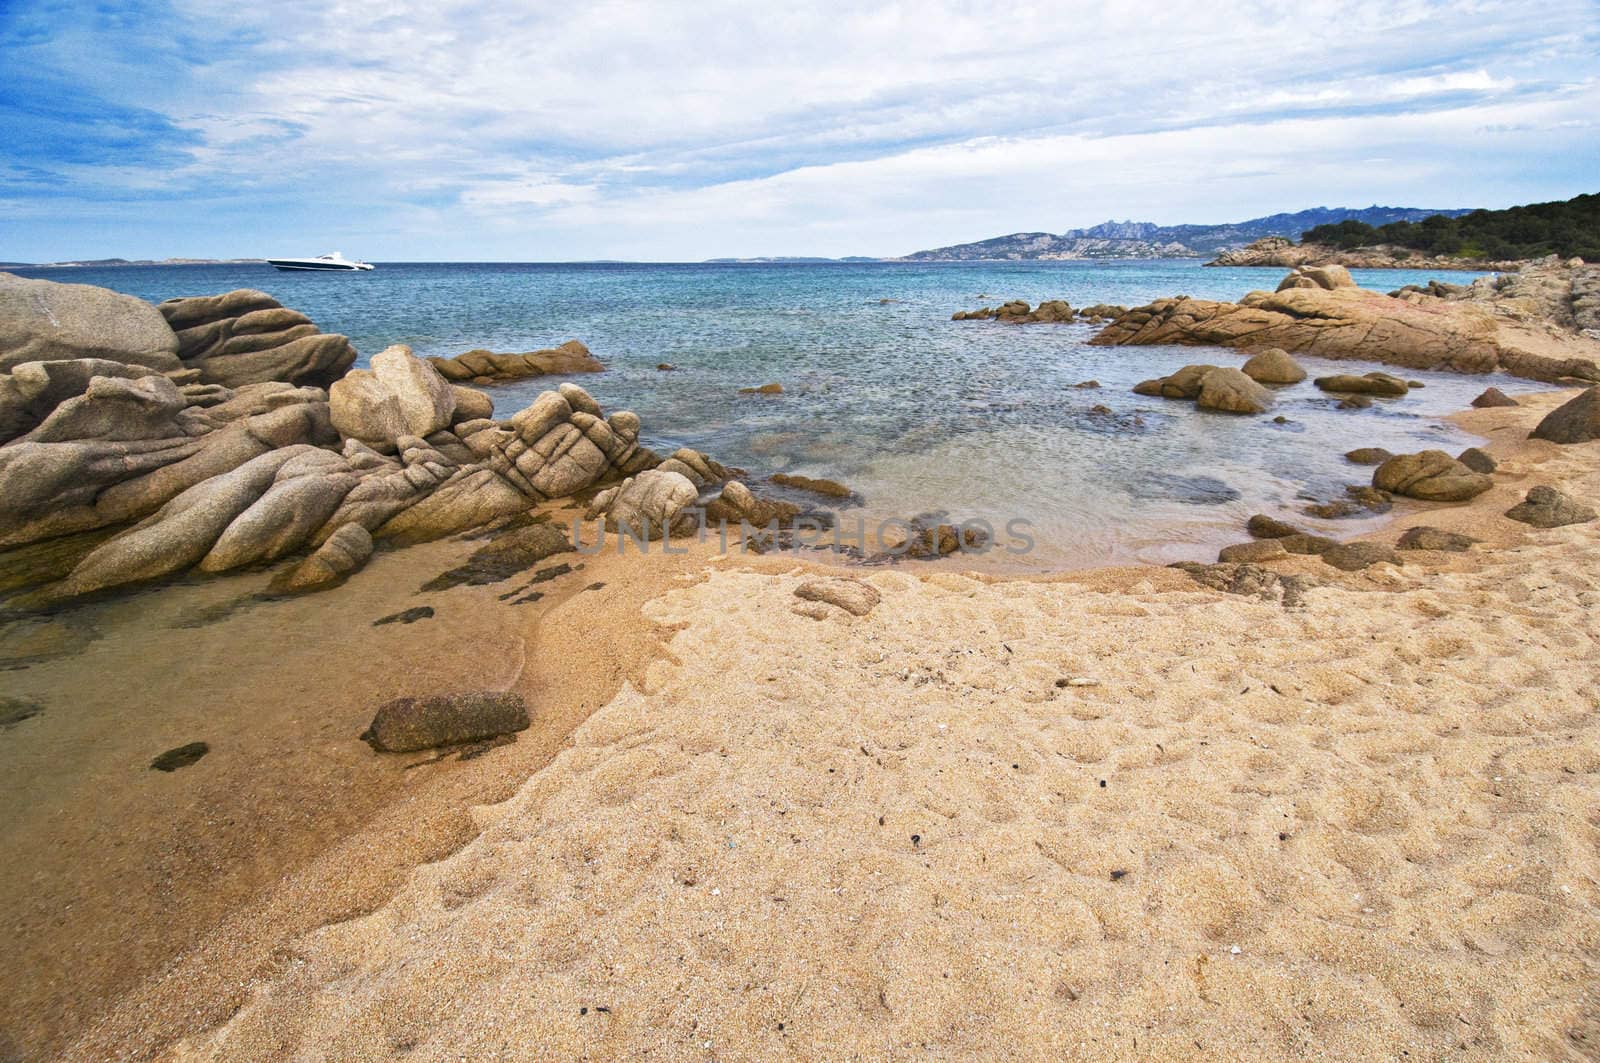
[918, 414]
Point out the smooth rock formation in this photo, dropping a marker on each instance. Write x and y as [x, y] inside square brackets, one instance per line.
[1477, 460]
[1546, 507]
[405, 725]
[487, 367]
[330, 565]
[1380, 384]
[1432, 476]
[1368, 456]
[471, 405]
[1328, 278]
[1231, 391]
[1575, 421]
[401, 395]
[42, 321]
[247, 337]
[649, 505]
[1273, 366]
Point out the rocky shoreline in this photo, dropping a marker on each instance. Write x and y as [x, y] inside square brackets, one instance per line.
[1283, 253]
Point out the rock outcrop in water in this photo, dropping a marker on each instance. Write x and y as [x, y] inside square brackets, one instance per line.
[1281, 251]
[1565, 293]
[487, 367]
[1318, 314]
[140, 435]
[1017, 312]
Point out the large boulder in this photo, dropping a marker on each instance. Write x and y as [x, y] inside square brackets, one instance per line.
[1273, 366]
[648, 505]
[247, 337]
[44, 321]
[1230, 391]
[1432, 476]
[401, 395]
[32, 390]
[1575, 421]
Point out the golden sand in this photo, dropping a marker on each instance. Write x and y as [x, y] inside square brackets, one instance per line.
[1112, 815]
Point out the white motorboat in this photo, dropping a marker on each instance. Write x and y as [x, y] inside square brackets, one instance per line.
[335, 261]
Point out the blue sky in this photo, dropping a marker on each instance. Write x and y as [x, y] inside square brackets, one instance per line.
[445, 130]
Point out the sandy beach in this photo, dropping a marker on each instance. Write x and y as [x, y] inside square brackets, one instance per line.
[1112, 812]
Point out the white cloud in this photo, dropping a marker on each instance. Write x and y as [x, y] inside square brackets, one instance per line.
[665, 130]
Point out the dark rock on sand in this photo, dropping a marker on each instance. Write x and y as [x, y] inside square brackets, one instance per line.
[1477, 460]
[1249, 580]
[1368, 455]
[1264, 527]
[1427, 538]
[1351, 557]
[1574, 421]
[406, 616]
[14, 710]
[408, 724]
[1432, 476]
[1546, 507]
[1304, 543]
[1255, 551]
[1493, 397]
[181, 757]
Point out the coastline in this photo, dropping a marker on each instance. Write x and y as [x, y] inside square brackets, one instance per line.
[437, 815]
[1335, 801]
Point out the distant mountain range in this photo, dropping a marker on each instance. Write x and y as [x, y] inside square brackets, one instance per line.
[1142, 239]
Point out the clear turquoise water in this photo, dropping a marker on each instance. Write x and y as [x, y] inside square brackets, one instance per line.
[915, 411]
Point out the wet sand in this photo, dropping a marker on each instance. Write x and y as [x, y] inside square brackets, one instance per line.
[1028, 818]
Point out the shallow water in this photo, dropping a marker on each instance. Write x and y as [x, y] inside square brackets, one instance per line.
[884, 392]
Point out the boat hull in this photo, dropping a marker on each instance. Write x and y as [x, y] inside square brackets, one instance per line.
[292, 266]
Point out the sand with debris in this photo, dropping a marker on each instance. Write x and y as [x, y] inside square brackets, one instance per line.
[1109, 814]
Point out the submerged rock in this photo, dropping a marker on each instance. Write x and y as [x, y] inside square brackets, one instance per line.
[408, 724]
[1432, 476]
[1546, 507]
[827, 488]
[181, 757]
[764, 389]
[504, 556]
[1368, 456]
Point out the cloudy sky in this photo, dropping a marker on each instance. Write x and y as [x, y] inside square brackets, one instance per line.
[437, 130]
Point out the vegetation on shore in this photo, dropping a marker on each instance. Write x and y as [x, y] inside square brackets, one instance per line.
[1566, 228]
